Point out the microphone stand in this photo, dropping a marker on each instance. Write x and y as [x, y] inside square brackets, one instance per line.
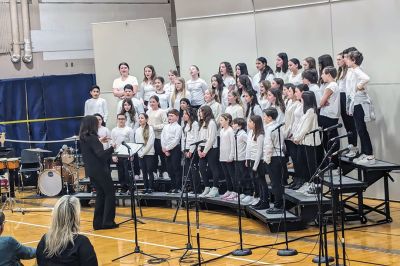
[137, 249]
[287, 251]
[240, 251]
[184, 189]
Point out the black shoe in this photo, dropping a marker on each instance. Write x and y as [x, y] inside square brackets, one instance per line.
[274, 210]
[262, 206]
[260, 202]
[176, 191]
[171, 191]
[149, 191]
[112, 226]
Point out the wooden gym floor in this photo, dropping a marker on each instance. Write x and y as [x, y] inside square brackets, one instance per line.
[373, 245]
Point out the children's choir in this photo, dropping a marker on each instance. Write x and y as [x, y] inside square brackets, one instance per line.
[233, 133]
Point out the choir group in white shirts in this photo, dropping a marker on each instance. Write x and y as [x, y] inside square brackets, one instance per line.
[238, 117]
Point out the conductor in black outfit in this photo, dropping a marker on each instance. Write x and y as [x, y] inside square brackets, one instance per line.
[96, 167]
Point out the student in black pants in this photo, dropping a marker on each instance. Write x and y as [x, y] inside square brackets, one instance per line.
[170, 143]
[243, 184]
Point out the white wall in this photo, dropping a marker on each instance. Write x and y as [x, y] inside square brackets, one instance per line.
[241, 32]
[137, 42]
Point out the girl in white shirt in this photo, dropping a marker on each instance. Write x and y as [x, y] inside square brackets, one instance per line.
[125, 78]
[277, 83]
[323, 61]
[235, 108]
[330, 107]
[103, 132]
[242, 181]
[128, 110]
[210, 100]
[281, 70]
[184, 105]
[196, 87]
[147, 86]
[208, 151]
[226, 71]
[170, 86]
[265, 86]
[243, 84]
[190, 135]
[221, 91]
[178, 93]
[254, 163]
[310, 78]
[145, 134]
[161, 93]
[157, 120]
[276, 100]
[241, 69]
[265, 72]
[295, 73]
[309, 63]
[253, 108]
[227, 154]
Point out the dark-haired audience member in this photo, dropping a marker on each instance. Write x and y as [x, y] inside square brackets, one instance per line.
[171, 147]
[124, 79]
[96, 104]
[295, 71]
[282, 68]
[11, 251]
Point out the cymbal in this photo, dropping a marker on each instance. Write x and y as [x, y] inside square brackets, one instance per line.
[37, 150]
[75, 137]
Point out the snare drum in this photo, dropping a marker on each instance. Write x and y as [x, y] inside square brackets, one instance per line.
[3, 163]
[49, 183]
[13, 163]
[68, 156]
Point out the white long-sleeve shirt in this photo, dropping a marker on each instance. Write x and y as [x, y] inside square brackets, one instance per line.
[257, 78]
[297, 114]
[190, 135]
[197, 89]
[283, 76]
[104, 132]
[254, 149]
[356, 77]
[308, 122]
[120, 134]
[235, 110]
[157, 119]
[317, 92]
[289, 118]
[227, 145]
[99, 105]
[271, 142]
[129, 123]
[216, 109]
[295, 79]
[241, 144]
[146, 90]
[148, 148]
[210, 135]
[171, 136]
[176, 104]
[164, 100]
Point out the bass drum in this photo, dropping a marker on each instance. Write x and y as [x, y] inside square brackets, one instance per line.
[50, 183]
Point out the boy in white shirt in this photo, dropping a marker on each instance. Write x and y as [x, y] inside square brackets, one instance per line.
[119, 134]
[170, 143]
[96, 105]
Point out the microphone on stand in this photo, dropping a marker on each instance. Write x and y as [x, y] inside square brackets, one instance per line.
[341, 136]
[198, 142]
[340, 151]
[279, 126]
[332, 127]
[313, 131]
[126, 145]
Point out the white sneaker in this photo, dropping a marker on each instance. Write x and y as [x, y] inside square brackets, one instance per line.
[205, 192]
[155, 176]
[227, 194]
[137, 177]
[213, 193]
[232, 196]
[361, 157]
[255, 201]
[303, 188]
[242, 196]
[165, 176]
[370, 159]
[247, 199]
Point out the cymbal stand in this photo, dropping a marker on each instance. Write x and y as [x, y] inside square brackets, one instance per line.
[77, 167]
[10, 201]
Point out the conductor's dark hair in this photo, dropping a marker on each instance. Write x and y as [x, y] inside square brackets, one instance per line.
[89, 126]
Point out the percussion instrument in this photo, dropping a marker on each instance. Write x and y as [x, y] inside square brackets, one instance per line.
[50, 163]
[38, 150]
[66, 174]
[3, 182]
[12, 163]
[68, 156]
[3, 163]
[50, 183]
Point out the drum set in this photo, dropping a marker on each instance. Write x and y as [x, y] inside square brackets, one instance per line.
[55, 175]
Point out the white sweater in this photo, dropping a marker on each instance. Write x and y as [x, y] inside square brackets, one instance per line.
[271, 142]
[171, 136]
[216, 109]
[164, 100]
[308, 122]
[148, 148]
[254, 149]
[146, 90]
[176, 104]
[289, 118]
[210, 135]
[295, 79]
[157, 119]
[241, 139]
[120, 134]
[227, 145]
[99, 105]
[235, 110]
[190, 136]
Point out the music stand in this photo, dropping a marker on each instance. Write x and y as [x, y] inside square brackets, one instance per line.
[130, 150]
